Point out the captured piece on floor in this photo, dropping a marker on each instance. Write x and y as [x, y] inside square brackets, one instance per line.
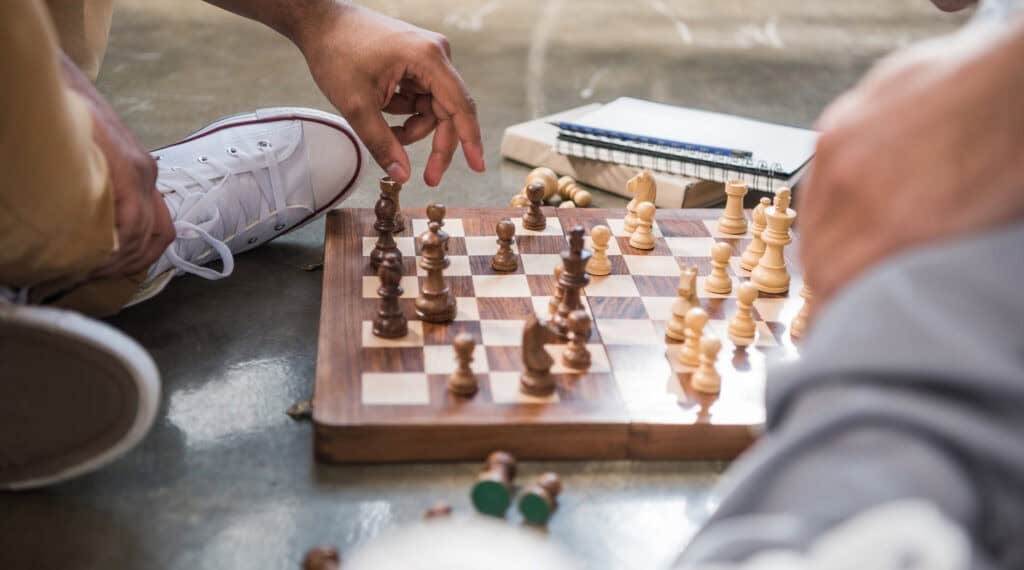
[492, 493]
[540, 500]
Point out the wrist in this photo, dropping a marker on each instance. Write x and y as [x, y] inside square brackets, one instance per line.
[309, 26]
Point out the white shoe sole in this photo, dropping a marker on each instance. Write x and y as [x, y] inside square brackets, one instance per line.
[75, 394]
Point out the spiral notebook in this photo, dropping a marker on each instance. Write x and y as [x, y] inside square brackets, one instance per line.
[688, 142]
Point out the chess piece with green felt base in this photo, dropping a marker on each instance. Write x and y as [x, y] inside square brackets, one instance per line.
[539, 502]
[492, 493]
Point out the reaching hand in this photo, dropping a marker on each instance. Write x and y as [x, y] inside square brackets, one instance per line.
[367, 63]
[930, 145]
[143, 224]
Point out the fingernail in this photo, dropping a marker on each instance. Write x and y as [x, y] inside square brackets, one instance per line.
[397, 171]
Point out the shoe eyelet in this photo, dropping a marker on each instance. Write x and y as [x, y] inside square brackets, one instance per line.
[263, 144]
[202, 159]
[232, 151]
[253, 240]
[278, 227]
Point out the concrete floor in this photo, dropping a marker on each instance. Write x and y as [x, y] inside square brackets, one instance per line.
[226, 479]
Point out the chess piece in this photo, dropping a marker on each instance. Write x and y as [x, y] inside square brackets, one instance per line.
[436, 302]
[706, 378]
[755, 249]
[390, 321]
[439, 510]
[462, 382]
[642, 188]
[770, 275]
[519, 201]
[719, 281]
[536, 380]
[546, 177]
[384, 209]
[599, 263]
[800, 322]
[534, 218]
[322, 558]
[492, 493]
[732, 221]
[435, 213]
[643, 235]
[539, 501]
[576, 355]
[572, 280]
[391, 187]
[505, 260]
[742, 329]
[686, 299]
[566, 204]
[556, 299]
[694, 322]
[568, 189]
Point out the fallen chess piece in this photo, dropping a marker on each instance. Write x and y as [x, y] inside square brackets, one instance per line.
[568, 189]
[505, 259]
[492, 493]
[545, 176]
[706, 379]
[322, 558]
[566, 204]
[439, 510]
[539, 501]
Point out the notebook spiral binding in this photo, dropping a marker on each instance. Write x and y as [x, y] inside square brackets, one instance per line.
[758, 175]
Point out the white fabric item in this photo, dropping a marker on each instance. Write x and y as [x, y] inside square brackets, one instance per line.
[247, 179]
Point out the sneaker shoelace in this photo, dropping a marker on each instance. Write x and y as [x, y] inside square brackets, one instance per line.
[182, 193]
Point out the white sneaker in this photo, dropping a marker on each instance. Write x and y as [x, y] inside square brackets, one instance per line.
[247, 179]
[75, 394]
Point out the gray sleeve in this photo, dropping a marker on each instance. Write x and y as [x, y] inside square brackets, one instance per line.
[910, 385]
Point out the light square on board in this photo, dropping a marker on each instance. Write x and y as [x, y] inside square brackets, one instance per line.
[406, 245]
[540, 305]
[772, 309]
[413, 338]
[505, 390]
[734, 264]
[612, 286]
[453, 227]
[652, 265]
[409, 283]
[690, 246]
[540, 263]
[765, 337]
[485, 245]
[457, 265]
[616, 226]
[440, 359]
[659, 308]
[502, 333]
[395, 389]
[501, 286]
[628, 331]
[466, 309]
[552, 228]
[712, 226]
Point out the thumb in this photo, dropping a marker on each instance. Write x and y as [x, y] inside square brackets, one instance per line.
[376, 134]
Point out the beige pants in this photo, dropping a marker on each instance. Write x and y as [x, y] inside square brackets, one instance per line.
[56, 204]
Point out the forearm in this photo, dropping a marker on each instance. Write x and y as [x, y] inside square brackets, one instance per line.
[296, 20]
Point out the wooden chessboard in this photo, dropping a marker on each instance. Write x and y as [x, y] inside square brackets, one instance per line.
[381, 400]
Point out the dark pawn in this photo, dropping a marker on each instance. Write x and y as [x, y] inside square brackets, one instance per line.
[505, 260]
[534, 218]
[392, 188]
[322, 558]
[576, 355]
[385, 226]
[539, 501]
[390, 321]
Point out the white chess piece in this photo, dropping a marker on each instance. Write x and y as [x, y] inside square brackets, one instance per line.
[770, 275]
[696, 320]
[643, 189]
[799, 324]
[643, 235]
[732, 221]
[599, 264]
[675, 328]
[755, 249]
[742, 328]
[719, 281]
[706, 379]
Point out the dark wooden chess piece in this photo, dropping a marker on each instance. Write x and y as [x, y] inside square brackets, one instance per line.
[492, 493]
[576, 355]
[534, 218]
[436, 212]
[392, 188]
[463, 382]
[439, 510]
[436, 302]
[537, 379]
[505, 260]
[539, 501]
[385, 226]
[572, 281]
[390, 321]
[322, 558]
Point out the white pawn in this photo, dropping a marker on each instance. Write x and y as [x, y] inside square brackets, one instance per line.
[742, 329]
[599, 264]
[706, 378]
[799, 324]
[643, 235]
[719, 281]
[686, 300]
[696, 320]
[755, 249]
